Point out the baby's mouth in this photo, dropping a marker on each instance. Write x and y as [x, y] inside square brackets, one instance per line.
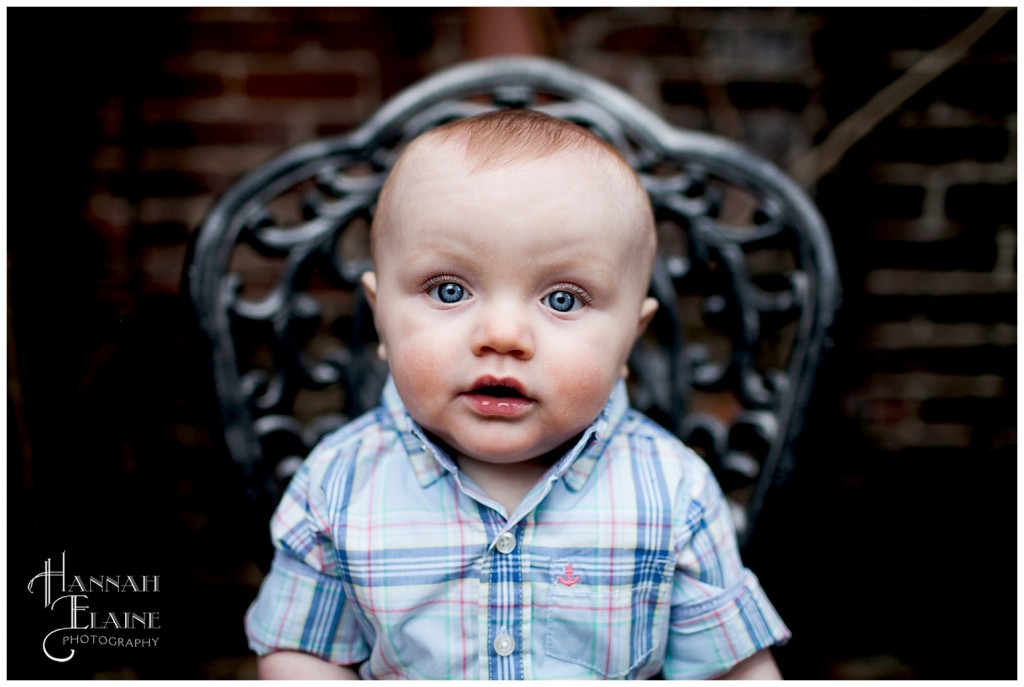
[497, 391]
[501, 397]
[499, 387]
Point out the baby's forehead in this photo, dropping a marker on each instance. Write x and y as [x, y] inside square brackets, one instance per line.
[452, 159]
[450, 173]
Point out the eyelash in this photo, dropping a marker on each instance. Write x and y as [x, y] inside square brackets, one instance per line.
[574, 290]
[442, 279]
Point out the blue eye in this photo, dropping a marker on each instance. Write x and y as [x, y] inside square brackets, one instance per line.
[448, 292]
[563, 301]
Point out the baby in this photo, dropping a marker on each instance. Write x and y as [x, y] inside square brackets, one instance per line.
[504, 514]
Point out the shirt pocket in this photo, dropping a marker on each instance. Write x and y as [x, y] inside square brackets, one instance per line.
[606, 628]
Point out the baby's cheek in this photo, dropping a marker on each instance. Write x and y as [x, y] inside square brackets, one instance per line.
[417, 366]
[584, 382]
[416, 358]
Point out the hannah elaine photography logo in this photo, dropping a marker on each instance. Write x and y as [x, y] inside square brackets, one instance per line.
[70, 598]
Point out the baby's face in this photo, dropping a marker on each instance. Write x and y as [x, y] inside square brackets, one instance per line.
[507, 300]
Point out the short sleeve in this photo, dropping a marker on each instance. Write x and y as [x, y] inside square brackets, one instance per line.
[720, 615]
[302, 605]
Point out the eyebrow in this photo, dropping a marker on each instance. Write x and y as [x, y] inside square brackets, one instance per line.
[597, 278]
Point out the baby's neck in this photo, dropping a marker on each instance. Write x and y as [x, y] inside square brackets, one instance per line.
[506, 483]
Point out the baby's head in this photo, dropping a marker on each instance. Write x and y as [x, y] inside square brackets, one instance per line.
[512, 257]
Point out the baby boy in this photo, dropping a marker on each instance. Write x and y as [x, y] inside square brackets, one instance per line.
[504, 514]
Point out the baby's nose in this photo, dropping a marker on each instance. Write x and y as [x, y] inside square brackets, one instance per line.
[504, 330]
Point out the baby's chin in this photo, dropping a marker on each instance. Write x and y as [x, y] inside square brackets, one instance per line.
[501, 453]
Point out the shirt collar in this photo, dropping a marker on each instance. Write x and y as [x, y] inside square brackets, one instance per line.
[428, 461]
[580, 462]
[431, 462]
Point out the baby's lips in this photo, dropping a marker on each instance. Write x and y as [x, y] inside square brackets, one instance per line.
[499, 406]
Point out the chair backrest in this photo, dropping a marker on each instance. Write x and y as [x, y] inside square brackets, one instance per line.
[746, 279]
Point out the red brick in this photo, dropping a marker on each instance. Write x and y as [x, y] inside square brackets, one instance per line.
[302, 85]
[181, 133]
[885, 411]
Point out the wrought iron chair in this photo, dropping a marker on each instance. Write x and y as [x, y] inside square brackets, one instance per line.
[746, 279]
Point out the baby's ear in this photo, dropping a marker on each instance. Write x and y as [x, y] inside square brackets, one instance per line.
[647, 310]
[369, 282]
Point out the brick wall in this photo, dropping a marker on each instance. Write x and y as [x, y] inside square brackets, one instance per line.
[938, 289]
[125, 124]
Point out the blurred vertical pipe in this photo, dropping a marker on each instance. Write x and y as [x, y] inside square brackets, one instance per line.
[492, 31]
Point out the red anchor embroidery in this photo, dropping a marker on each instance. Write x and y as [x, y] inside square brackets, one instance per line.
[569, 579]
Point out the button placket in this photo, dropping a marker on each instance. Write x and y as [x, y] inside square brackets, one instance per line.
[505, 660]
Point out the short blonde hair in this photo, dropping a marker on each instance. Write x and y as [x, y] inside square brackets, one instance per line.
[506, 137]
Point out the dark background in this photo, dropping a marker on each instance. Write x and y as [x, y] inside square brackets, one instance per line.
[891, 553]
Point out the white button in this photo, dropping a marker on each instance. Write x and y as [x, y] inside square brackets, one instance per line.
[506, 543]
[504, 644]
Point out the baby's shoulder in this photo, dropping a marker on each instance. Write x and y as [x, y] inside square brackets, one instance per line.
[641, 438]
[639, 429]
[352, 450]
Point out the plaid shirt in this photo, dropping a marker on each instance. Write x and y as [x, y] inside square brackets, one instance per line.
[621, 562]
